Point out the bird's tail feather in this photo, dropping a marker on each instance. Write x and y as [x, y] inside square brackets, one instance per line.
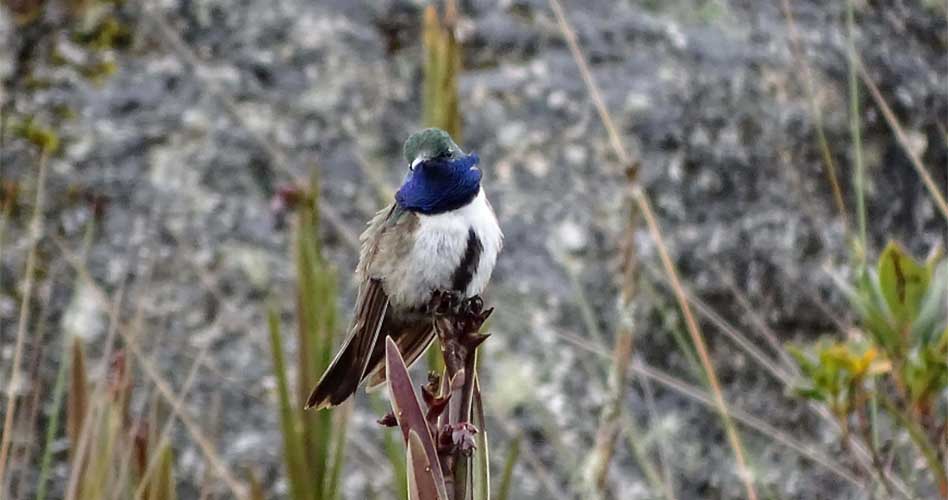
[341, 379]
[350, 365]
[411, 342]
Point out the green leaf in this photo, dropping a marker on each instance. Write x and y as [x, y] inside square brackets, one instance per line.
[933, 314]
[903, 282]
[872, 308]
[503, 493]
[810, 393]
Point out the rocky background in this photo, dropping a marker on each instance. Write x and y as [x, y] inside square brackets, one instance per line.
[176, 130]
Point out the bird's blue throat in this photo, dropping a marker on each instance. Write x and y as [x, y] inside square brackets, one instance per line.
[440, 185]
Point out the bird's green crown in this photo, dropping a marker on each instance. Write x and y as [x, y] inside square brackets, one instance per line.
[430, 143]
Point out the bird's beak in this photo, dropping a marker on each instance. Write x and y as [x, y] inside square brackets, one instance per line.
[416, 162]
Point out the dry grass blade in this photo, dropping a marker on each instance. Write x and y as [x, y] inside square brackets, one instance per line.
[762, 359]
[855, 132]
[610, 418]
[77, 403]
[902, 139]
[696, 394]
[163, 437]
[97, 412]
[644, 205]
[814, 109]
[749, 420]
[237, 489]
[506, 479]
[36, 231]
[762, 328]
[213, 458]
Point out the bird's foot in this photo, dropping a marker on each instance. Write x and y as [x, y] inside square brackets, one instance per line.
[451, 303]
[445, 303]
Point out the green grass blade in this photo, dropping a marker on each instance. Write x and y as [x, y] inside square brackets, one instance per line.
[164, 480]
[339, 452]
[293, 452]
[506, 479]
[51, 427]
[856, 136]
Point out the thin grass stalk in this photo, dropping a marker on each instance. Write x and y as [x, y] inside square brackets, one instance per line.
[213, 458]
[506, 478]
[644, 206]
[668, 483]
[163, 436]
[92, 419]
[236, 488]
[440, 101]
[855, 133]
[698, 341]
[632, 434]
[610, 417]
[903, 141]
[55, 408]
[315, 426]
[98, 401]
[431, 39]
[339, 451]
[451, 67]
[921, 440]
[316, 324]
[750, 421]
[860, 452]
[763, 329]
[815, 113]
[35, 233]
[586, 312]
[540, 470]
[26, 450]
[290, 424]
[763, 360]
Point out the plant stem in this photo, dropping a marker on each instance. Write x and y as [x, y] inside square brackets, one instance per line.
[921, 441]
[859, 171]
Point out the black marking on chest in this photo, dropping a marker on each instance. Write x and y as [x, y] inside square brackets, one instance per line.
[468, 266]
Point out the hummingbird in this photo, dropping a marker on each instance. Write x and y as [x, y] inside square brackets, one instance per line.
[439, 236]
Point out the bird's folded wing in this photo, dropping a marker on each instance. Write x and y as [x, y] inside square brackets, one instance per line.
[369, 314]
[348, 368]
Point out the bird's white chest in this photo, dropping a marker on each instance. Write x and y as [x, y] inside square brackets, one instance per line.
[441, 242]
